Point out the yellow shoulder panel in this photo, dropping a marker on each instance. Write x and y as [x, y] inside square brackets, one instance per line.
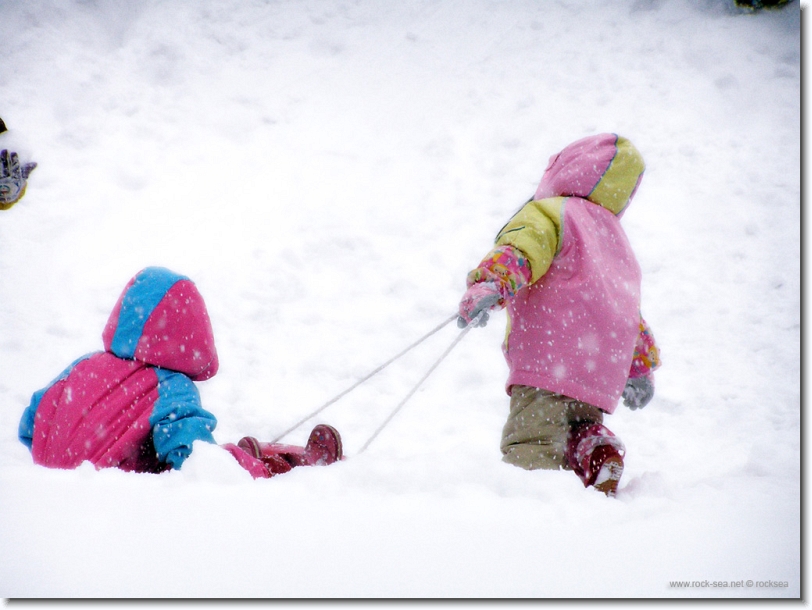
[536, 231]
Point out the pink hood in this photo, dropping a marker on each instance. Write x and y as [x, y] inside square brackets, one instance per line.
[605, 169]
[160, 319]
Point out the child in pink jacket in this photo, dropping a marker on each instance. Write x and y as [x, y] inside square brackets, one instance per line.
[135, 406]
[576, 342]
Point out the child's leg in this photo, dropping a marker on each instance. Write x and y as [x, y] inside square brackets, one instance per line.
[536, 432]
[259, 469]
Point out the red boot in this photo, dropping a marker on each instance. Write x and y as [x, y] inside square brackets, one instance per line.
[596, 456]
[323, 447]
[607, 468]
[275, 463]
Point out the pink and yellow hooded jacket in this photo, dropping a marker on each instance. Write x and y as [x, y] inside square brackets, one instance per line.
[135, 405]
[570, 280]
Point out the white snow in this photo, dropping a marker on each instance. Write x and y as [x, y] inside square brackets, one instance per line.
[327, 173]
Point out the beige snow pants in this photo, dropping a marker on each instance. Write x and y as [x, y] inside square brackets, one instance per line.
[535, 434]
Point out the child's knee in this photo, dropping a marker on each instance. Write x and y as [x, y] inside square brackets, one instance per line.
[549, 456]
[536, 417]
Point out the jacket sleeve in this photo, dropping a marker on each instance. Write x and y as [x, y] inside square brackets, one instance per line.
[25, 431]
[646, 357]
[535, 231]
[504, 266]
[178, 419]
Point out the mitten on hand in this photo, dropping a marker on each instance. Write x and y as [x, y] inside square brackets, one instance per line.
[13, 177]
[498, 277]
[638, 392]
[477, 301]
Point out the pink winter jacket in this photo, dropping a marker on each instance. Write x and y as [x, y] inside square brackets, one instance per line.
[134, 405]
[570, 279]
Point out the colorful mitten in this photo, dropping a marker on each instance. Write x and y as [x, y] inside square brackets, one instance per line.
[639, 388]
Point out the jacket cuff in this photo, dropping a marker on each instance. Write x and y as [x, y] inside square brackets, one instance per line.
[646, 357]
[505, 266]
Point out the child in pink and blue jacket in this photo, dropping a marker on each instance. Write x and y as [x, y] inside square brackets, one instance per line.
[135, 406]
[576, 341]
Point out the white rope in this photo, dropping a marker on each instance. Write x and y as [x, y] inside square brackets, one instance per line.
[415, 388]
[365, 378]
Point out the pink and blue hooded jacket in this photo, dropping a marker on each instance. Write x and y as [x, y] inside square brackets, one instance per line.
[133, 406]
[569, 277]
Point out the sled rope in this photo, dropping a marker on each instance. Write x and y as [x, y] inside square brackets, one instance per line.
[366, 378]
[415, 388]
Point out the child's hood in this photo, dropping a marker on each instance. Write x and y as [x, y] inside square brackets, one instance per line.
[605, 169]
[160, 319]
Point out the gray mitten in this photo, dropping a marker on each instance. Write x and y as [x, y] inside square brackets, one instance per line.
[13, 178]
[638, 392]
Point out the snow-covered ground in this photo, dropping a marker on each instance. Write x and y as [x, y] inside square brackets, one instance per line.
[327, 172]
